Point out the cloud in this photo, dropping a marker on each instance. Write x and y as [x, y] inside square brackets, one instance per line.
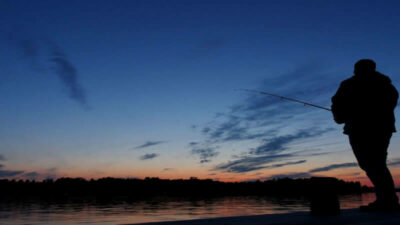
[270, 151]
[49, 173]
[32, 51]
[193, 143]
[274, 124]
[148, 144]
[394, 162]
[234, 128]
[353, 174]
[223, 128]
[256, 165]
[31, 175]
[148, 156]
[205, 152]
[51, 177]
[167, 169]
[286, 164]
[333, 166]
[290, 175]
[251, 163]
[52, 169]
[279, 143]
[257, 174]
[309, 82]
[68, 74]
[28, 48]
[262, 118]
[10, 173]
[323, 169]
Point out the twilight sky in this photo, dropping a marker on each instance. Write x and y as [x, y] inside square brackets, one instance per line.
[147, 88]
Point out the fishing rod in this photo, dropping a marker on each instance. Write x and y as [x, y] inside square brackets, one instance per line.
[286, 98]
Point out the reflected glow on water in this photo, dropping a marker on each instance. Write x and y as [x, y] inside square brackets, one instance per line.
[158, 209]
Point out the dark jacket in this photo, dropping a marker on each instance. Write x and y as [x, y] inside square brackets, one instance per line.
[365, 103]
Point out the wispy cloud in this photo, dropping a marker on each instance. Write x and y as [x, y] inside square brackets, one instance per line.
[10, 173]
[257, 174]
[394, 162]
[33, 51]
[279, 143]
[251, 163]
[274, 124]
[308, 82]
[290, 175]
[31, 175]
[333, 166]
[52, 169]
[28, 48]
[51, 177]
[193, 143]
[204, 151]
[315, 170]
[4, 173]
[50, 173]
[286, 164]
[148, 156]
[270, 151]
[68, 74]
[149, 144]
[205, 154]
[233, 130]
[256, 164]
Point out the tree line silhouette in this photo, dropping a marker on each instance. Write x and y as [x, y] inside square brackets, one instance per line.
[151, 187]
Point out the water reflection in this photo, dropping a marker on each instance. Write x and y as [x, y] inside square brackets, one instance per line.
[156, 209]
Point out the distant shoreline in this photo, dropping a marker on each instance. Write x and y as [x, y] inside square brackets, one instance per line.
[107, 188]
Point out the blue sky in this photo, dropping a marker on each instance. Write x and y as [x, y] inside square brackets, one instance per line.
[147, 88]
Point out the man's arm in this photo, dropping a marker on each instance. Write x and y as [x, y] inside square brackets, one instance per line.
[395, 96]
[339, 105]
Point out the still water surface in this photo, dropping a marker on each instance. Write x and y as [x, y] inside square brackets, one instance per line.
[157, 209]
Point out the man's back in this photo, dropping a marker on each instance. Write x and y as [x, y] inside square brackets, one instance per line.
[365, 103]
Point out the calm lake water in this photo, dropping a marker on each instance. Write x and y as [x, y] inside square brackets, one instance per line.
[157, 209]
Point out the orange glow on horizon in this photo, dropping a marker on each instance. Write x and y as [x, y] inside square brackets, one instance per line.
[349, 174]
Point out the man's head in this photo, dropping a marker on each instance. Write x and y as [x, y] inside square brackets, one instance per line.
[364, 66]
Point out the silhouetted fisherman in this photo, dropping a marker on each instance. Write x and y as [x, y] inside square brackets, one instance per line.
[365, 103]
